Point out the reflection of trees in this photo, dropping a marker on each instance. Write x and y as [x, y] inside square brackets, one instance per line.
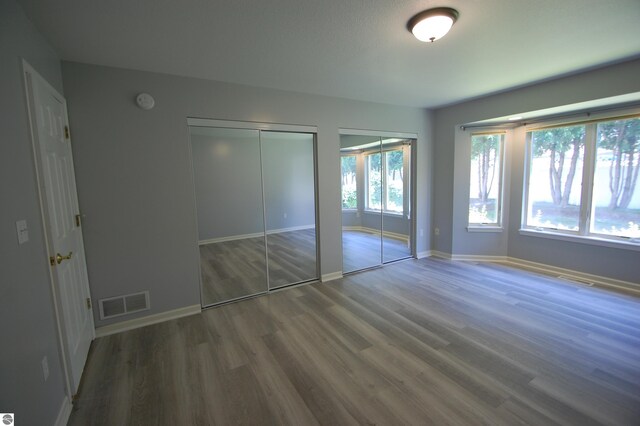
[484, 150]
[558, 142]
[374, 179]
[622, 137]
[394, 163]
[348, 168]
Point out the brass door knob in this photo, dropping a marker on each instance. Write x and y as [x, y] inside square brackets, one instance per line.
[60, 258]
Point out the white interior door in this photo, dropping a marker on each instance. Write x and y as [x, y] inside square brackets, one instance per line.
[56, 179]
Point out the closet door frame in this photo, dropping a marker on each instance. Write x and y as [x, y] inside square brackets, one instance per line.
[251, 125]
[274, 127]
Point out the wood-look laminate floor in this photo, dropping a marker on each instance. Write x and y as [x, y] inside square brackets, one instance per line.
[361, 249]
[417, 342]
[233, 269]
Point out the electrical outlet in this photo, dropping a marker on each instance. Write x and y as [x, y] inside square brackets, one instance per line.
[285, 215]
[421, 232]
[436, 231]
[45, 368]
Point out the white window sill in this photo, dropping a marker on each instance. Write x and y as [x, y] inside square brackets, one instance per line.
[597, 241]
[484, 228]
[386, 213]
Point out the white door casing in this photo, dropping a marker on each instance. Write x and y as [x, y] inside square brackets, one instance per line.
[63, 234]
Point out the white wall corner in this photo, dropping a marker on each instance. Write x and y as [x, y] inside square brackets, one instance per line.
[64, 413]
[147, 320]
[331, 276]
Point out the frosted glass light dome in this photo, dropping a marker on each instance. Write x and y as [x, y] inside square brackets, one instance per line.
[432, 24]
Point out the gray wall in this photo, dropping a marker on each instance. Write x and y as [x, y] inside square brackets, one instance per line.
[228, 181]
[26, 318]
[287, 162]
[226, 167]
[135, 182]
[452, 175]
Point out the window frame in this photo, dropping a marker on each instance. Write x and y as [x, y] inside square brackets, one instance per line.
[499, 224]
[367, 191]
[383, 184]
[355, 155]
[586, 210]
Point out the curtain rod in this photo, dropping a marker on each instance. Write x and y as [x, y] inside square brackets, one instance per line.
[580, 113]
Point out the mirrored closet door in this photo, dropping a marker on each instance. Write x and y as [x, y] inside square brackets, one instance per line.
[376, 198]
[289, 194]
[395, 186]
[256, 208]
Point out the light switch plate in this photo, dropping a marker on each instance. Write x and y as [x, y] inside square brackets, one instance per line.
[23, 231]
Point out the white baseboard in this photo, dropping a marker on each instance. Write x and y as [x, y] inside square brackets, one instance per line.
[394, 235]
[440, 254]
[64, 413]
[148, 320]
[545, 269]
[230, 238]
[331, 276]
[254, 235]
[424, 254]
[478, 258]
[571, 274]
[291, 229]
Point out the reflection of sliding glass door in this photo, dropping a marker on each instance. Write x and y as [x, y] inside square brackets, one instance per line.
[376, 198]
[256, 211]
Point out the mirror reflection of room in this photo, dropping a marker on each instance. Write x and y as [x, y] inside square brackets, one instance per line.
[376, 200]
[289, 182]
[226, 165]
[256, 211]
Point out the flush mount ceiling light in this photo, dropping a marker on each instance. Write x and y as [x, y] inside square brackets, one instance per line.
[432, 24]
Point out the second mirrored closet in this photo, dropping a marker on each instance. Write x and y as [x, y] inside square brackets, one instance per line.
[255, 196]
[376, 182]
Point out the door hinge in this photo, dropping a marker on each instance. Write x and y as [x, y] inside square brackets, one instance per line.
[66, 132]
[88, 303]
[78, 220]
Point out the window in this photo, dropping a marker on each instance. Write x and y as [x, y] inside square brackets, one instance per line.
[385, 188]
[374, 181]
[582, 179]
[349, 186]
[555, 178]
[616, 199]
[394, 161]
[485, 186]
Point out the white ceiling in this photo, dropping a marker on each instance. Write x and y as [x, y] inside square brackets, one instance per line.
[357, 49]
